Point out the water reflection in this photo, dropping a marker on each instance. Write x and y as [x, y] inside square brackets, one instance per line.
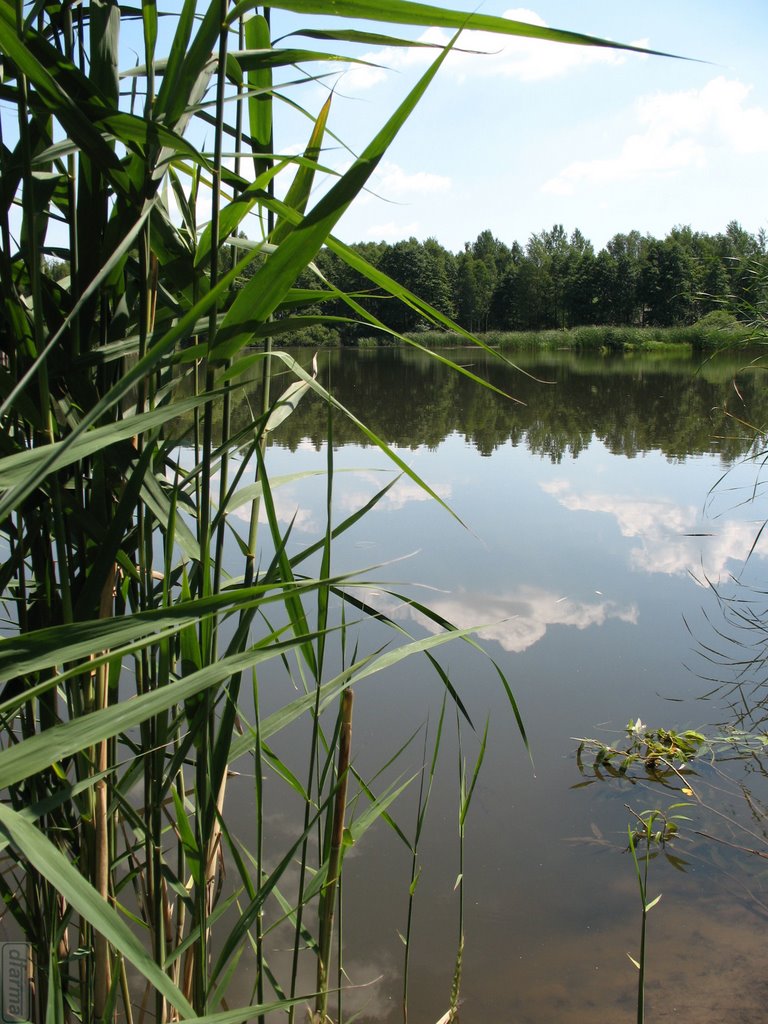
[516, 619]
[403, 492]
[288, 510]
[633, 404]
[674, 538]
[586, 614]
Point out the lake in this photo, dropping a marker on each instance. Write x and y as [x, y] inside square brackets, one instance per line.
[599, 531]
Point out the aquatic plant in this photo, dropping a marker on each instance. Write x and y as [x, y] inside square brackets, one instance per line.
[658, 752]
[651, 829]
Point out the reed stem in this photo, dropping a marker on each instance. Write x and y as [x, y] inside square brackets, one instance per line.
[328, 898]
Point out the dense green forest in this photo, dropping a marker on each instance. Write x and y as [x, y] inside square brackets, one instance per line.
[557, 281]
[553, 282]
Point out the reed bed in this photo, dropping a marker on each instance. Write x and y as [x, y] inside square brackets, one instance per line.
[590, 339]
[141, 616]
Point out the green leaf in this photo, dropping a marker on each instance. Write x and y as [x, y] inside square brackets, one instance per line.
[60, 741]
[51, 90]
[18, 469]
[478, 763]
[190, 65]
[260, 99]
[355, 673]
[288, 402]
[351, 35]
[376, 809]
[188, 840]
[403, 12]
[266, 289]
[298, 194]
[182, 328]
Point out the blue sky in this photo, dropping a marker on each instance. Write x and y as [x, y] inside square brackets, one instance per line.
[531, 133]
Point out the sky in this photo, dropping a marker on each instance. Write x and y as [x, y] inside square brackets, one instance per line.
[525, 134]
[528, 134]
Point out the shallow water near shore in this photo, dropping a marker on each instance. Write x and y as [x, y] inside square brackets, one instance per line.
[598, 528]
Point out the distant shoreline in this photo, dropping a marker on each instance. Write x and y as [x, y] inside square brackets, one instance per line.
[606, 340]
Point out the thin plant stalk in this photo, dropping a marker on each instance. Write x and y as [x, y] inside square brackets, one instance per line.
[421, 813]
[328, 899]
[466, 791]
[645, 836]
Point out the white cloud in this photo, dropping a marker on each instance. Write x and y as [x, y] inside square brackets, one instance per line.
[392, 182]
[672, 538]
[395, 185]
[495, 56]
[674, 132]
[359, 77]
[720, 108]
[389, 231]
[635, 518]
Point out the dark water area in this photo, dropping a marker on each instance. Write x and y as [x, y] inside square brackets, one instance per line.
[606, 517]
[560, 402]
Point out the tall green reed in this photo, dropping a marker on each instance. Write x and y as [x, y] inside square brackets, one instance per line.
[135, 644]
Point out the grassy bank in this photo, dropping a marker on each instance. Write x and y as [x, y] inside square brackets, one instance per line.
[617, 339]
[700, 336]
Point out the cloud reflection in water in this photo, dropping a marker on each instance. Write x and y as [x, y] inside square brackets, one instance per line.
[673, 538]
[518, 618]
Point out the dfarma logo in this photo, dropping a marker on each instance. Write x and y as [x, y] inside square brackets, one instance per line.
[16, 963]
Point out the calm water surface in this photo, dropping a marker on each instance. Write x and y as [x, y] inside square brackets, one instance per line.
[597, 528]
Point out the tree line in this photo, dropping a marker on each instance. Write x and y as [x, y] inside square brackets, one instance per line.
[558, 281]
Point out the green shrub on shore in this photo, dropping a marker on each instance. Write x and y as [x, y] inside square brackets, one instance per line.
[716, 330]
